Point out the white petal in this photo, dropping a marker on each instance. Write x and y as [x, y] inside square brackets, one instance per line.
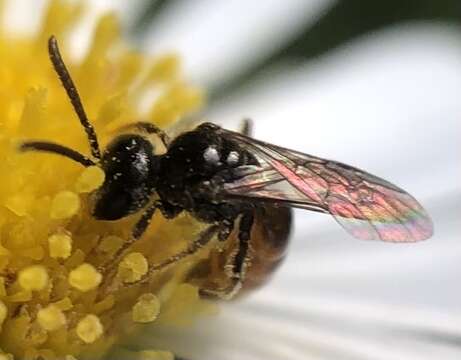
[389, 104]
[26, 16]
[316, 329]
[219, 38]
[22, 16]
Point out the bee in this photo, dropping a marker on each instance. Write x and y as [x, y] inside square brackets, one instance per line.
[227, 179]
[268, 243]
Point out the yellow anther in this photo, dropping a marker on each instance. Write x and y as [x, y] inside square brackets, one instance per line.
[85, 277]
[51, 318]
[89, 329]
[65, 204]
[133, 267]
[90, 179]
[146, 309]
[165, 68]
[60, 246]
[34, 277]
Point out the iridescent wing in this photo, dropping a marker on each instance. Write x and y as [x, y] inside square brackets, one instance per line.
[365, 205]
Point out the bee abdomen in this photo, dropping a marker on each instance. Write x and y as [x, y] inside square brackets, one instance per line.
[269, 243]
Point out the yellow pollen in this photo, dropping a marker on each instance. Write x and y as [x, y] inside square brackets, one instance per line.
[34, 277]
[65, 204]
[90, 179]
[146, 309]
[60, 246]
[3, 312]
[6, 357]
[89, 329]
[85, 277]
[133, 267]
[51, 318]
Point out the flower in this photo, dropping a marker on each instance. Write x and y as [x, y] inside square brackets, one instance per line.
[334, 298]
[61, 293]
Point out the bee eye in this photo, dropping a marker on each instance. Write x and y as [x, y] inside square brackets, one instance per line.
[112, 205]
[130, 167]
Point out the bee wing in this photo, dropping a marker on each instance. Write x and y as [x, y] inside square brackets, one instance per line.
[367, 206]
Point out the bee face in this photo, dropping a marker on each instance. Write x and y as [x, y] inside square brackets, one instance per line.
[131, 172]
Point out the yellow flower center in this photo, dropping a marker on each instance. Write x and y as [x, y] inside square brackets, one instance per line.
[66, 292]
[133, 267]
[89, 329]
[146, 309]
[65, 204]
[60, 246]
[51, 318]
[33, 277]
[85, 277]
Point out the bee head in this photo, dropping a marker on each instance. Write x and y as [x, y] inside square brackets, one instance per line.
[131, 169]
[129, 162]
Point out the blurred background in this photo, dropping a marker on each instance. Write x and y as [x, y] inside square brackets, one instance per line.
[375, 84]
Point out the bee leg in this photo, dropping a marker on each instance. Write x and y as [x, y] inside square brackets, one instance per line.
[142, 224]
[138, 230]
[200, 242]
[149, 129]
[237, 263]
[227, 226]
[136, 233]
[239, 259]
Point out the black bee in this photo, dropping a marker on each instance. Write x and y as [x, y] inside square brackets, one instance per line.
[224, 178]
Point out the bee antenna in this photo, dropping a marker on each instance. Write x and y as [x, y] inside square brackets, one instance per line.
[73, 95]
[56, 149]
